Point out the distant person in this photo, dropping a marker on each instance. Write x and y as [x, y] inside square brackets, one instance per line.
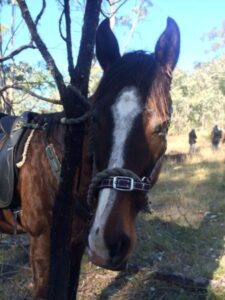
[216, 136]
[192, 139]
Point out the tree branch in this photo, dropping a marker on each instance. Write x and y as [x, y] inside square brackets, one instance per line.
[12, 36]
[42, 47]
[115, 10]
[60, 26]
[40, 13]
[81, 74]
[68, 37]
[17, 51]
[21, 88]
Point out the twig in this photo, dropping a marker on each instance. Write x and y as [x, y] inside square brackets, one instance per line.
[40, 13]
[116, 10]
[60, 25]
[12, 36]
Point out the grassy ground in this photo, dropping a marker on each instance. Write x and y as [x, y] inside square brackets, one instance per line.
[184, 236]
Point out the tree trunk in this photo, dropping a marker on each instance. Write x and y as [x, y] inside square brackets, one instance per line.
[65, 200]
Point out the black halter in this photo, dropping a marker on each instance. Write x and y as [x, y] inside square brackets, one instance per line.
[125, 184]
[131, 183]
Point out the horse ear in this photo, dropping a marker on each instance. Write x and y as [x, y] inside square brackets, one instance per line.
[107, 47]
[168, 46]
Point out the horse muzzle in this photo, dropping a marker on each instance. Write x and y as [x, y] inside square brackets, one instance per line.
[110, 264]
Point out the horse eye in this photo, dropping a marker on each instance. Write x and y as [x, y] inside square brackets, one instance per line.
[161, 129]
[158, 129]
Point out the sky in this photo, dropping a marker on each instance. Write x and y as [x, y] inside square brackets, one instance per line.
[194, 18]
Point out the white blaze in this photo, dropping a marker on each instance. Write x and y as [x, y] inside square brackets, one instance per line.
[125, 109]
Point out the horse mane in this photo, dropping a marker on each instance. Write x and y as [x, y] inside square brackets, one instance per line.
[139, 69]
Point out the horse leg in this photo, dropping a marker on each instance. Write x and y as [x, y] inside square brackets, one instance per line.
[77, 253]
[39, 259]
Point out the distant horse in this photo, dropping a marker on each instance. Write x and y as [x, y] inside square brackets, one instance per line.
[131, 112]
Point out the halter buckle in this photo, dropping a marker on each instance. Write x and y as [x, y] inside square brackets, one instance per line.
[123, 183]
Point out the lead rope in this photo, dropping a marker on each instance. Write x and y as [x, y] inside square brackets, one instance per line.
[73, 121]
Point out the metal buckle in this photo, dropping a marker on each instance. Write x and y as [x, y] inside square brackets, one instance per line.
[130, 183]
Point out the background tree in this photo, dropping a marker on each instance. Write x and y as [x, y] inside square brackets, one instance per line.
[198, 97]
[21, 83]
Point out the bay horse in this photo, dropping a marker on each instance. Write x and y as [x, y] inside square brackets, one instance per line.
[130, 116]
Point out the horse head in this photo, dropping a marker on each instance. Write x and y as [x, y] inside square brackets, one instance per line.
[131, 114]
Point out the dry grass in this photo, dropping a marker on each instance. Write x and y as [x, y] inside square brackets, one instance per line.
[184, 234]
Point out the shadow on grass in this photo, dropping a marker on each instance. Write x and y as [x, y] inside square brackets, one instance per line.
[190, 250]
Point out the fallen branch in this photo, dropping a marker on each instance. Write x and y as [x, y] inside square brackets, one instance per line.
[176, 278]
[199, 283]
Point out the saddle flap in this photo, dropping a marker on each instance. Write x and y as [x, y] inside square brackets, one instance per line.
[6, 123]
[13, 132]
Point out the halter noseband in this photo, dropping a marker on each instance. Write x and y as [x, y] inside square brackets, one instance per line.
[123, 180]
[126, 184]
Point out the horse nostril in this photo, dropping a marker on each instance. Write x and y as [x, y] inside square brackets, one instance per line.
[118, 250]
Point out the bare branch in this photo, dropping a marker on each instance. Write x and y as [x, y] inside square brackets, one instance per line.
[111, 14]
[22, 88]
[42, 48]
[68, 38]
[17, 51]
[60, 26]
[41, 12]
[12, 36]
[81, 74]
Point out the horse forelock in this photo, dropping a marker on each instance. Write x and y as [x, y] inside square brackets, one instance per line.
[133, 69]
[137, 69]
